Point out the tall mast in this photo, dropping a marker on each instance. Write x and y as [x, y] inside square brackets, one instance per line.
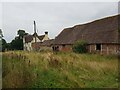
[35, 31]
[34, 27]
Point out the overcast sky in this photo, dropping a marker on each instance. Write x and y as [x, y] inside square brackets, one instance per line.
[51, 16]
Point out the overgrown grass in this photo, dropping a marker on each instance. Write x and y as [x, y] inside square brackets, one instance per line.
[58, 70]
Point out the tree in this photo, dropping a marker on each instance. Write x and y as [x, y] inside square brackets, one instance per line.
[17, 43]
[80, 47]
[8, 46]
[1, 34]
[21, 33]
[3, 45]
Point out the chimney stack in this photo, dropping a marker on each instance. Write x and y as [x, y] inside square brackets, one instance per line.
[46, 33]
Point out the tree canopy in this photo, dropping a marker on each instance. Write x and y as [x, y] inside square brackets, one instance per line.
[1, 34]
[21, 33]
[3, 45]
[17, 43]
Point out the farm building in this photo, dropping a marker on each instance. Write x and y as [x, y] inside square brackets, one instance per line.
[101, 35]
[28, 41]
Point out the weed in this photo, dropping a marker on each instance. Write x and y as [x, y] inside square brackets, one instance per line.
[46, 69]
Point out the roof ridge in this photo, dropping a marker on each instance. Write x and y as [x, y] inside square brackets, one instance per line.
[101, 30]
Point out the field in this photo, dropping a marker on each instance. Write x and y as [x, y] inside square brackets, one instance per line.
[58, 70]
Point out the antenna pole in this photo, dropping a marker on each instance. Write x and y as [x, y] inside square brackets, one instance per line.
[34, 27]
[35, 34]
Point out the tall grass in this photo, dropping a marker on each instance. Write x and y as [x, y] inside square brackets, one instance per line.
[58, 70]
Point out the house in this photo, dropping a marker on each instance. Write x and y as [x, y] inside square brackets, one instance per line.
[101, 35]
[28, 40]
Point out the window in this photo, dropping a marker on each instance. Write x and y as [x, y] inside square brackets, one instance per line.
[98, 46]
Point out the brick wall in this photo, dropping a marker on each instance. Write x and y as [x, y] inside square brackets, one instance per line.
[36, 46]
[64, 47]
[105, 49]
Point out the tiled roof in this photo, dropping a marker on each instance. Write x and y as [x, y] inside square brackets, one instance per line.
[29, 38]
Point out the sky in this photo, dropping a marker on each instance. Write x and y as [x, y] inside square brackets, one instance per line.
[51, 16]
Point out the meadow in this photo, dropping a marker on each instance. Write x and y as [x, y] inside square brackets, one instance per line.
[22, 69]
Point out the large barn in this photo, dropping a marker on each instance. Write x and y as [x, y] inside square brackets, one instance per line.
[101, 35]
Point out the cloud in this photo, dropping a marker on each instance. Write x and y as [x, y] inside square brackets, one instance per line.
[52, 16]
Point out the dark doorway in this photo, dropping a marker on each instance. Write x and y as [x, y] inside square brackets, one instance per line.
[98, 46]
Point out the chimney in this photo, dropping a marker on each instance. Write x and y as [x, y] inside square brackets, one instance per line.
[46, 35]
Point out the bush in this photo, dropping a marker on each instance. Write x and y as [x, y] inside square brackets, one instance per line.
[80, 47]
[119, 30]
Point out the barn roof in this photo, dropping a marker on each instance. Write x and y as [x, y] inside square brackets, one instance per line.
[100, 31]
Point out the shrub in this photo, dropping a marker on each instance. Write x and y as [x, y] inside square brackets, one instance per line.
[119, 30]
[80, 47]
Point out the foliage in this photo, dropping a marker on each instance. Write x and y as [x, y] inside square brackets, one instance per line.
[80, 47]
[64, 70]
[8, 47]
[21, 33]
[119, 30]
[17, 43]
[3, 45]
[1, 34]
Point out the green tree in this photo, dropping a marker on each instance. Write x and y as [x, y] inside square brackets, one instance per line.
[1, 34]
[80, 47]
[21, 33]
[3, 45]
[17, 43]
[8, 46]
